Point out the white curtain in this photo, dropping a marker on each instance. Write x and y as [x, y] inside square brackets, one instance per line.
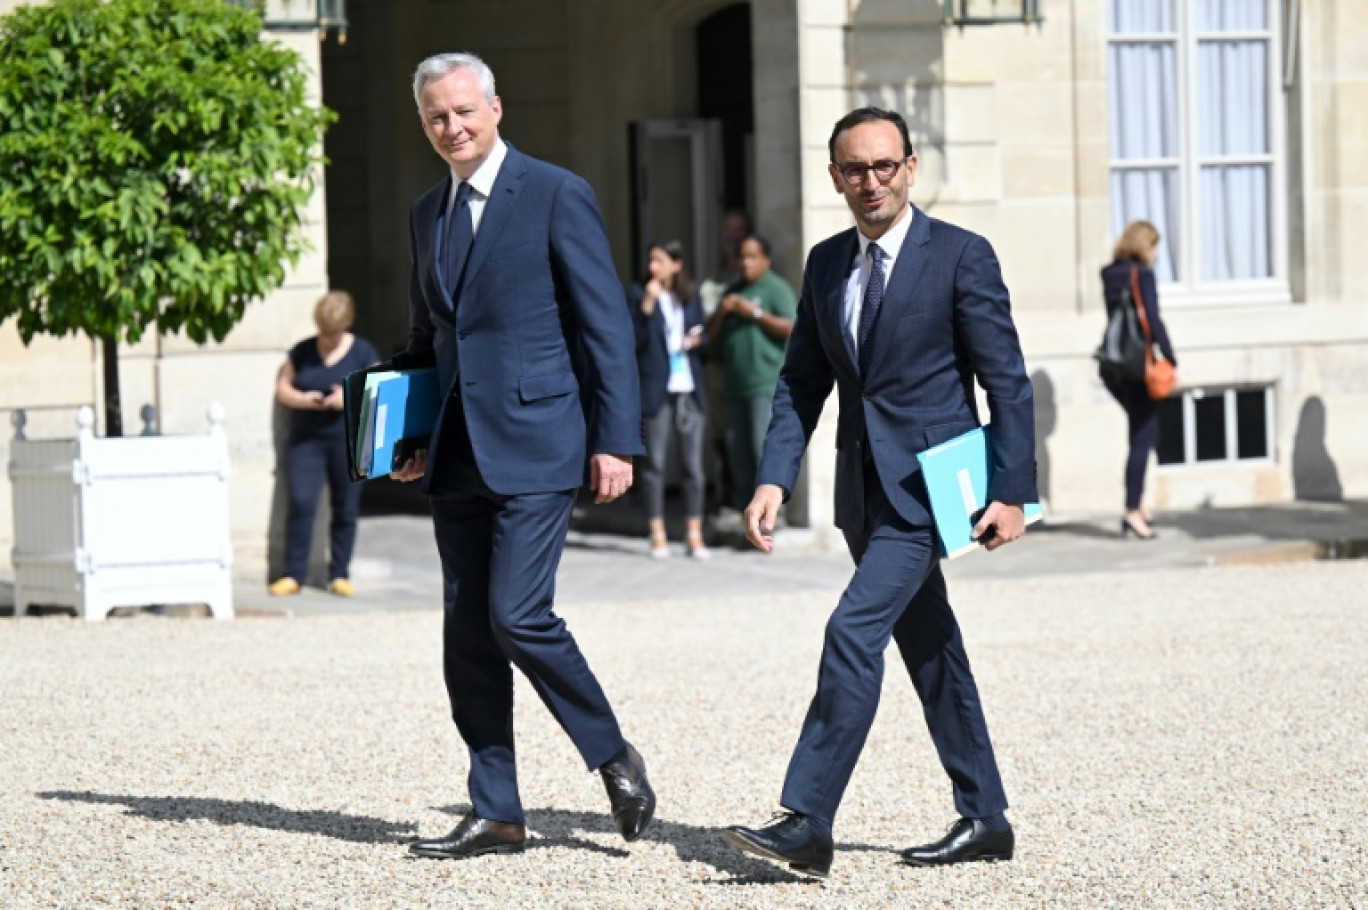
[1143, 99]
[1231, 15]
[1234, 222]
[1131, 17]
[1234, 214]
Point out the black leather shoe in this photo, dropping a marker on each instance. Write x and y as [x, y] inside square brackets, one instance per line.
[788, 838]
[629, 792]
[968, 839]
[474, 836]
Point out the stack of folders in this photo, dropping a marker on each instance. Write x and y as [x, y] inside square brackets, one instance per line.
[957, 474]
[390, 415]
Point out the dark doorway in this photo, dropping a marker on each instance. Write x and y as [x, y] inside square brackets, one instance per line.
[345, 177]
[362, 255]
[726, 93]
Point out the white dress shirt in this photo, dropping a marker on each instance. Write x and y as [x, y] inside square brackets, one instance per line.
[891, 242]
[481, 184]
[681, 374]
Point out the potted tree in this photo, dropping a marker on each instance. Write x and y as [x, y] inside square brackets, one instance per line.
[156, 158]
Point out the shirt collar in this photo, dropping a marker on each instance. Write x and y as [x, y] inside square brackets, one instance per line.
[892, 241]
[482, 181]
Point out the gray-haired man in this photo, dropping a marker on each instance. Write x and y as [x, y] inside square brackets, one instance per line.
[513, 296]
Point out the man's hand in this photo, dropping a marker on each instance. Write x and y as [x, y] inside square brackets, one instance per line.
[1007, 521]
[735, 303]
[761, 515]
[413, 469]
[610, 476]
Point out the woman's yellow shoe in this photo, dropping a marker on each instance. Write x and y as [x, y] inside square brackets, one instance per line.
[341, 587]
[282, 586]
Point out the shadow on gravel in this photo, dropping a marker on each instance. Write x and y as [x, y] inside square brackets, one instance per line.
[1085, 529]
[693, 844]
[360, 829]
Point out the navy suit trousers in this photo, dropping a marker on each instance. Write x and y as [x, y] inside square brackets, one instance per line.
[897, 591]
[499, 559]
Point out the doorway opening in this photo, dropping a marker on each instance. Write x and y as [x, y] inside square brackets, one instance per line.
[726, 93]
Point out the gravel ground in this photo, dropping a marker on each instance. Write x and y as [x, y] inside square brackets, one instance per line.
[1195, 738]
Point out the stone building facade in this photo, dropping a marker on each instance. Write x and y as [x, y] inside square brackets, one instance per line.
[1045, 137]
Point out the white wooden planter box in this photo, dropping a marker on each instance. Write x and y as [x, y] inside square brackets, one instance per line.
[130, 521]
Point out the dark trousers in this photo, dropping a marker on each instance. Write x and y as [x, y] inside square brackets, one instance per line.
[308, 461]
[499, 559]
[1142, 417]
[897, 591]
[679, 420]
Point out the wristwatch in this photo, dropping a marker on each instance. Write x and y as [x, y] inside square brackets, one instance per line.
[756, 312]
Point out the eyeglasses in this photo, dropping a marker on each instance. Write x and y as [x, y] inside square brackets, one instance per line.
[853, 174]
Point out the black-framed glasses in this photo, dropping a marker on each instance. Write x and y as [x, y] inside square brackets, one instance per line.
[853, 174]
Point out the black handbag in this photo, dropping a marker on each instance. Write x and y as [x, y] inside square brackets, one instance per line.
[1122, 351]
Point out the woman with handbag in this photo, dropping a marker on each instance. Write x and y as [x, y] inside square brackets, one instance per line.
[1128, 281]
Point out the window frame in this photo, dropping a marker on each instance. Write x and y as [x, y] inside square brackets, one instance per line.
[1186, 40]
[1228, 393]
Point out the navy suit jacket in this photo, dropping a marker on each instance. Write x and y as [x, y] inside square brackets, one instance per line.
[538, 341]
[1116, 276]
[653, 355]
[945, 320]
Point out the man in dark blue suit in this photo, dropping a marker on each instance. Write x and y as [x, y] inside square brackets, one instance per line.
[514, 297]
[901, 314]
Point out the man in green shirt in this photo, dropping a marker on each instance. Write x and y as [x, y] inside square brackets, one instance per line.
[750, 327]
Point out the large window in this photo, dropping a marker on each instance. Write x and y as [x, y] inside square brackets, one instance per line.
[1196, 117]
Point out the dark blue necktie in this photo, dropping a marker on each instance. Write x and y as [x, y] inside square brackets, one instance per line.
[460, 234]
[869, 309]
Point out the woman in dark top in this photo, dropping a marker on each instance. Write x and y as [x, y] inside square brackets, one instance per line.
[668, 316]
[1135, 253]
[310, 384]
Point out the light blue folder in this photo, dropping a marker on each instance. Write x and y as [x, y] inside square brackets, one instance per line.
[396, 418]
[956, 474]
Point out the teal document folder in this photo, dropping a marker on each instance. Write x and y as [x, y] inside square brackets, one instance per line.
[956, 474]
[390, 415]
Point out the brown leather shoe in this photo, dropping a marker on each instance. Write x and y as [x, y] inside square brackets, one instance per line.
[474, 836]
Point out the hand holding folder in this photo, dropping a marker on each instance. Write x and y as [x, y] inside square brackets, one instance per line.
[390, 415]
[957, 473]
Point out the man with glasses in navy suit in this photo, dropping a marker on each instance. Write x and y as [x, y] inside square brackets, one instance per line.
[514, 297]
[901, 313]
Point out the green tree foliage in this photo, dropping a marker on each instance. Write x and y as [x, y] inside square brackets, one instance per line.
[156, 157]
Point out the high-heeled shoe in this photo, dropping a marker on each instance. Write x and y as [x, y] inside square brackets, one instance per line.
[660, 547]
[1129, 530]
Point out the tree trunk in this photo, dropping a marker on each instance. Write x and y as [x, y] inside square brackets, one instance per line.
[113, 409]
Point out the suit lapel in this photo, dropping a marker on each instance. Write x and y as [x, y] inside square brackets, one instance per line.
[902, 286]
[832, 310]
[498, 208]
[434, 216]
